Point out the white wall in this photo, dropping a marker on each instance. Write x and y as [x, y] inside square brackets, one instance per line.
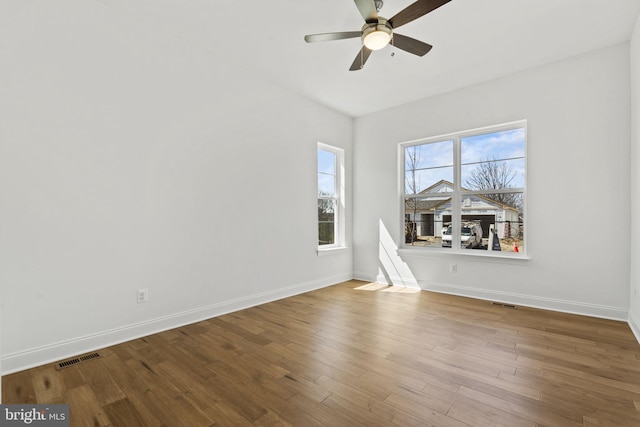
[131, 159]
[578, 171]
[634, 315]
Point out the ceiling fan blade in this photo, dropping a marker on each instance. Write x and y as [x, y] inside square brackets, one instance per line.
[410, 45]
[367, 9]
[415, 11]
[360, 60]
[324, 37]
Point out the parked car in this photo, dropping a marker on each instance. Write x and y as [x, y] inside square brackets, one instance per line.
[470, 235]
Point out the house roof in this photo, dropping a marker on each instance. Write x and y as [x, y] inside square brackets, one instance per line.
[431, 204]
[424, 205]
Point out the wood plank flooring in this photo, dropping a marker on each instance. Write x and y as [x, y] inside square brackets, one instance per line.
[357, 354]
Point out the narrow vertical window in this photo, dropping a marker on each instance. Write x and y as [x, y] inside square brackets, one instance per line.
[330, 203]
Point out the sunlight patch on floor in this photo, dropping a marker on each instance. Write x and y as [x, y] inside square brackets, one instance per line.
[386, 288]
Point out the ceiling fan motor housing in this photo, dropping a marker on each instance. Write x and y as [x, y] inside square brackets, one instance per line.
[377, 35]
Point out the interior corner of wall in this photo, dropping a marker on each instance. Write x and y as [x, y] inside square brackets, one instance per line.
[634, 324]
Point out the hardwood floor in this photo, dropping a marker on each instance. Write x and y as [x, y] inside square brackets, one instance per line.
[357, 354]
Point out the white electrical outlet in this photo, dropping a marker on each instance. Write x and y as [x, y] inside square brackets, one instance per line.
[453, 268]
[143, 295]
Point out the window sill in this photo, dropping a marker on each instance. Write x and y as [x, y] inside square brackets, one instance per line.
[427, 252]
[332, 251]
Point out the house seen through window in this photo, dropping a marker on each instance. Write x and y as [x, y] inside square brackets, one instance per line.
[466, 191]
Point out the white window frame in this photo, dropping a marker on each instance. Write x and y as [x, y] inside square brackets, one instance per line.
[339, 217]
[459, 193]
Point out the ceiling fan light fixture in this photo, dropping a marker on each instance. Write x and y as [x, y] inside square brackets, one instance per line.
[377, 36]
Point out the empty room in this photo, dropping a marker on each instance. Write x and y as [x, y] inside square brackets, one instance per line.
[320, 213]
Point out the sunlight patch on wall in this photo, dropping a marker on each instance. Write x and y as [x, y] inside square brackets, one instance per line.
[392, 269]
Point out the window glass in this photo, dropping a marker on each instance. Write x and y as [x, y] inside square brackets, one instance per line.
[424, 219]
[326, 221]
[493, 160]
[326, 173]
[426, 165]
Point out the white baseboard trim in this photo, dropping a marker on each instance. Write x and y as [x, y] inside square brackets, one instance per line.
[634, 324]
[398, 281]
[391, 280]
[363, 276]
[564, 306]
[38, 356]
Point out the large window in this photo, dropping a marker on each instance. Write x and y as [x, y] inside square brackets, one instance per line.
[466, 191]
[330, 196]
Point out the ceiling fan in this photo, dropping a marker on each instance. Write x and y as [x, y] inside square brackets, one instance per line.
[377, 32]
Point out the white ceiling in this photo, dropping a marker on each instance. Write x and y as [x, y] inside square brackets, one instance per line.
[474, 41]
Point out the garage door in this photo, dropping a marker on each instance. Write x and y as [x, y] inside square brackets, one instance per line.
[485, 222]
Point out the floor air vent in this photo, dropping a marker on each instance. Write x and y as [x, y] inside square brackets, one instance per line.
[77, 360]
[501, 304]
